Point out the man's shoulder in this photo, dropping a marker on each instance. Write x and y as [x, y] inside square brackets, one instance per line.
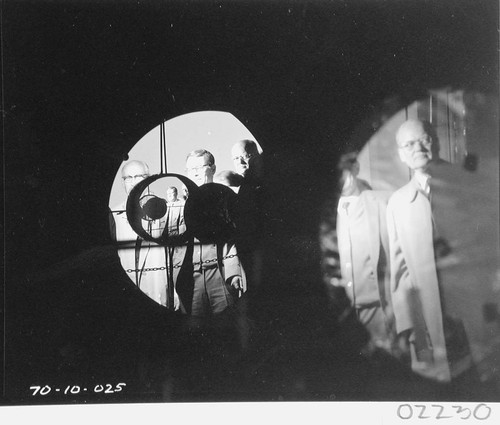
[376, 195]
[119, 209]
[404, 194]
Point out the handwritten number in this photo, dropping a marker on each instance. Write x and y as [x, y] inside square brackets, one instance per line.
[75, 389]
[422, 410]
[441, 408]
[36, 388]
[481, 411]
[460, 409]
[45, 390]
[410, 410]
[477, 408]
[119, 387]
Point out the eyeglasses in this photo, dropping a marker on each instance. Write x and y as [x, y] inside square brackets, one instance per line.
[425, 141]
[128, 179]
[197, 169]
[244, 158]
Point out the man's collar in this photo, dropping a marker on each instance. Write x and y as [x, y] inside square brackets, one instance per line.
[422, 179]
[345, 201]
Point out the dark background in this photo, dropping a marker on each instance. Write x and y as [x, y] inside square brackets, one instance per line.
[83, 81]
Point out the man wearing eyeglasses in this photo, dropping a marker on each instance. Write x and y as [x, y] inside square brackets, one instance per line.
[200, 166]
[132, 173]
[248, 163]
[217, 278]
[246, 156]
[138, 257]
[415, 286]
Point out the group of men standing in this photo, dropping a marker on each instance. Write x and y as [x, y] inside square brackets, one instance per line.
[205, 278]
[388, 246]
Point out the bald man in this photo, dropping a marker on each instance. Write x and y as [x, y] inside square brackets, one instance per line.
[140, 258]
[248, 163]
[414, 247]
[246, 158]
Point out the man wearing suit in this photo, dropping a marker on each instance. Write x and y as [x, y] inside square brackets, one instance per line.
[414, 247]
[175, 213]
[211, 278]
[140, 258]
[364, 253]
[249, 167]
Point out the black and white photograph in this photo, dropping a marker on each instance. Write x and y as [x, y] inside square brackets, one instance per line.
[253, 205]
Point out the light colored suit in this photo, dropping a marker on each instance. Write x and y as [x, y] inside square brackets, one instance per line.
[203, 280]
[212, 265]
[415, 288]
[364, 258]
[139, 257]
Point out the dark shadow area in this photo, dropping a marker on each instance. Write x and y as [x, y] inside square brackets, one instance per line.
[83, 81]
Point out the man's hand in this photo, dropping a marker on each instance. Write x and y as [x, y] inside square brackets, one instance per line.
[177, 302]
[237, 284]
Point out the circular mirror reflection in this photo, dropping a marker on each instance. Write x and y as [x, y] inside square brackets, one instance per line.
[412, 235]
[174, 207]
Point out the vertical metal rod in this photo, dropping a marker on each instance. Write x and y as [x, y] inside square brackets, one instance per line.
[161, 148]
[164, 127]
[430, 108]
[448, 124]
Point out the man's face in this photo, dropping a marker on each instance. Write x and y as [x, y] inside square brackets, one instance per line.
[132, 174]
[199, 170]
[171, 195]
[415, 146]
[241, 158]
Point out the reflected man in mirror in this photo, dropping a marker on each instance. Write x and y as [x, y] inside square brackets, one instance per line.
[172, 195]
[175, 212]
[217, 278]
[364, 253]
[138, 257]
[415, 245]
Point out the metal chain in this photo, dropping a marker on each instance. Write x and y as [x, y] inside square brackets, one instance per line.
[177, 266]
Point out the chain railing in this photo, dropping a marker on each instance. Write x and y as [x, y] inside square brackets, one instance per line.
[177, 266]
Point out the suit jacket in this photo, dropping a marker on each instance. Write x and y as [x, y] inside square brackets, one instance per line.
[137, 256]
[415, 288]
[375, 285]
[227, 263]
